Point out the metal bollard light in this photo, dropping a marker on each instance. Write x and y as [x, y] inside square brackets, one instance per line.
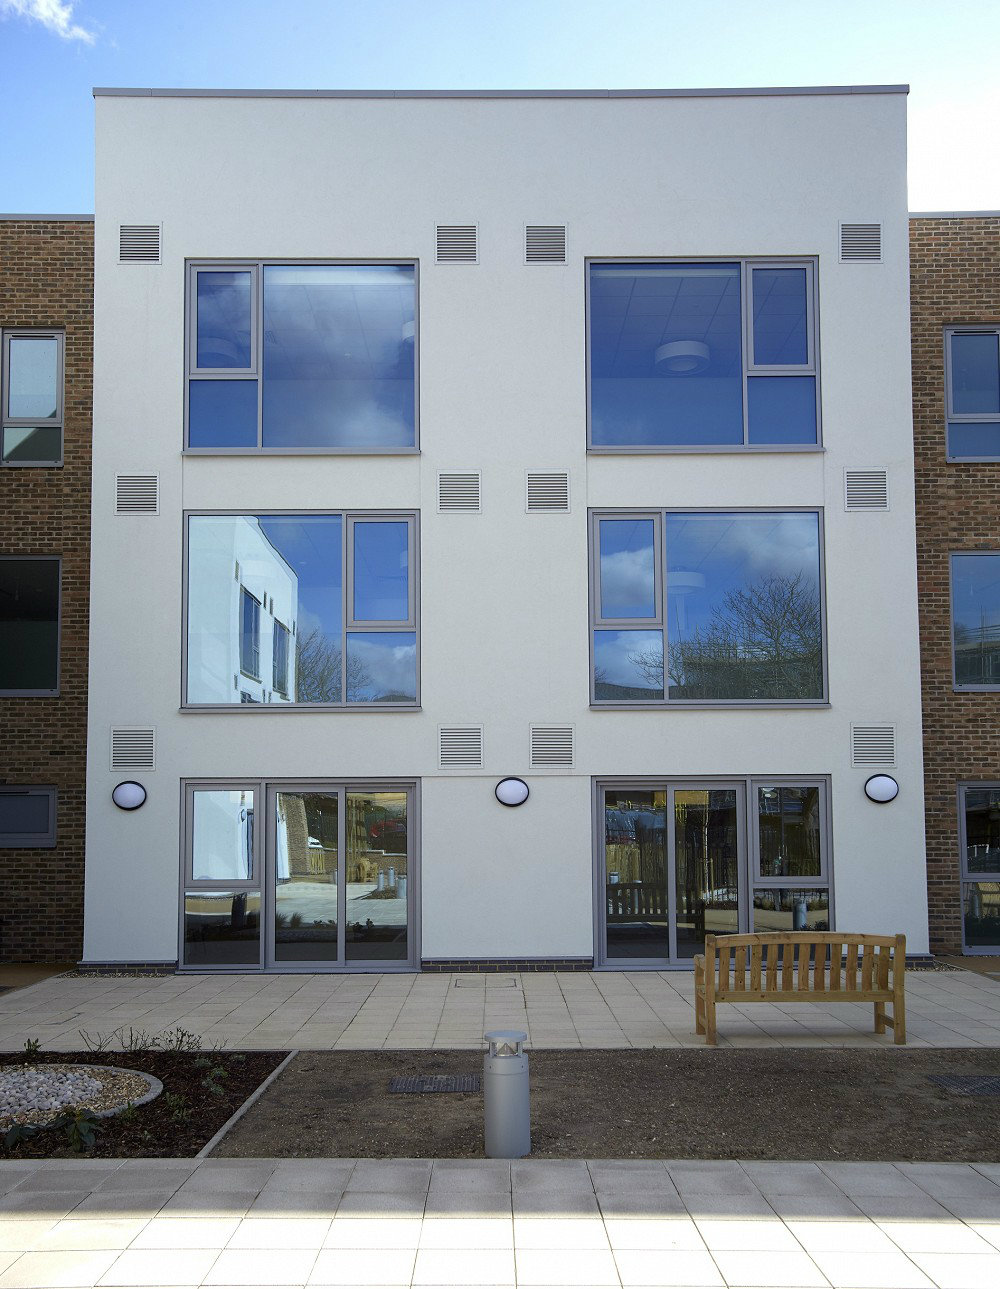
[506, 1095]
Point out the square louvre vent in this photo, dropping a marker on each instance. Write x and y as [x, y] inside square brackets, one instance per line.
[460, 746]
[873, 744]
[133, 747]
[459, 493]
[547, 493]
[457, 243]
[545, 244]
[860, 243]
[139, 243]
[551, 745]
[137, 494]
[866, 490]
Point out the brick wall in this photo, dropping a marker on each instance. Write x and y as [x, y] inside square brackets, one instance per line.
[47, 280]
[955, 279]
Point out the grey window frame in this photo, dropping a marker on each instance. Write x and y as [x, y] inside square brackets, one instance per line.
[746, 786]
[264, 862]
[255, 372]
[43, 693]
[628, 624]
[596, 514]
[412, 517]
[351, 623]
[244, 596]
[277, 624]
[991, 554]
[964, 878]
[32, 422]
[747, 264]
[27, 840]
[965, 418]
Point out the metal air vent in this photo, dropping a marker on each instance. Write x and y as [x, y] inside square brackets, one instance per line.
[458, 243]
[546, 492]
[459, 493]
[139, 243]
[133, 748]
[873, 744]
[860, 243]
[137, 494]
[545, 244]
[460, 746]
[866, 490]
[551, 745]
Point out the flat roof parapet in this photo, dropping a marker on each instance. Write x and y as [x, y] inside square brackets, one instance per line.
[749, 92]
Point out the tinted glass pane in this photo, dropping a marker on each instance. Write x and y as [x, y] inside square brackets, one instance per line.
[33, 390]
[635, 852]
[338, 356]
[381, 572]
[665, 354]
[628, 665]
[381, 667]
[279, 667]
[222, 836]
[975, 374]
[780, 325]
[974, 440]
[707, 858]
[982, 830]
[222, 414]
[29, 624]
[291, 564]
[981, 914]
[40, 443]
[377, 870]
[628, 568]
[224, 312]
[781, 409]
[249, 635]
[29, 812]
[790, 831]
[305, 914]
[743, 606]
[221, 928]
[975, 601]
[788, 910]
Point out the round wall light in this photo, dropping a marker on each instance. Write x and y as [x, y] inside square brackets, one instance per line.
[682, 357]
[881, 788]
[129, 796]
[511, 792]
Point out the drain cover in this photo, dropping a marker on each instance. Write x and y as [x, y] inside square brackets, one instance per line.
[435, 1083]
[970, 1085]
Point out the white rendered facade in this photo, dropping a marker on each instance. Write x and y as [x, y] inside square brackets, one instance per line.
[504, 596]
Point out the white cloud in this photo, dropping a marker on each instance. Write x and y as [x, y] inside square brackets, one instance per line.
[54, 16]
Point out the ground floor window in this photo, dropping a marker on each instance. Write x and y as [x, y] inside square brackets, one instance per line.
[677, 860]
[979, 841]
[286, 876]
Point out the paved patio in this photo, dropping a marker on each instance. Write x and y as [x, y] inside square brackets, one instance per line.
[424, 1223]
[556, 1009]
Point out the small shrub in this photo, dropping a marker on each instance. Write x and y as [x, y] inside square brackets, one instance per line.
[81, 1127]
[179, 1040]
[31, 1048]
[178, 1105]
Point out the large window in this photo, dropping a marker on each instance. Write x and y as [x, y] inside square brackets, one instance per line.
[979, 839]
[27, 818]
[301, 357]
[707, 606]
[31, 398]
[317, 609]
[975, 617]
[972, 380]
[29, 625]
[703, 355]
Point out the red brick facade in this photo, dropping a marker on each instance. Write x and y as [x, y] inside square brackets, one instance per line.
[47, 280]
[955, 280]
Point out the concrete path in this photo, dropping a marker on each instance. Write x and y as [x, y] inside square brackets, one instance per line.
[423, 1223]
[430, 1011]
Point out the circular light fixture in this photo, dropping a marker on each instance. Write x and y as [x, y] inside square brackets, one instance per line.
[682, 357]
[129, 796]
[511, 792]
[881, 788]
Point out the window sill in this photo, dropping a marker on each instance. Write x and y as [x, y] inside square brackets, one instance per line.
[700, 705]
[301, 452]
[347, 709]
[712, 449]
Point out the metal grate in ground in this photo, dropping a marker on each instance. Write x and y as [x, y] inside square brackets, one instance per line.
[969, 1085]
[435, 1083]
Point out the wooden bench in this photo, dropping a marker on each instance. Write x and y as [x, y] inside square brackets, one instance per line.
[801, 967]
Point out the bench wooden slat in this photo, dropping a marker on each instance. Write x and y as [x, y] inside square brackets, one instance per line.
[835, 968]
[805, 949]
[739, 968]
[787, 963]
[851, 980]
[756, 952]
[724, 967]
[772, 967]
[867, 965]
[784, 996]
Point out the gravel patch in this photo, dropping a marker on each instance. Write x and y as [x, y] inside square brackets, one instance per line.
[38, 1094]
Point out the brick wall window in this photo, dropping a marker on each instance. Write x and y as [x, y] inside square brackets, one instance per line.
[972, 388]
[31, 395]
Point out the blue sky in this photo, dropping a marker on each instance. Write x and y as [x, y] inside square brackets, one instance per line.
[52, 52]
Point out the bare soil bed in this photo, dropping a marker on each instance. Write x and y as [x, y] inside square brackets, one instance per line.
[196, 1101]
[775, 1103]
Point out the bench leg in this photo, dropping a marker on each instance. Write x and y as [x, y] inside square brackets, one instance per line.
[899, 1019]
[880, 1018]
[709, 1020]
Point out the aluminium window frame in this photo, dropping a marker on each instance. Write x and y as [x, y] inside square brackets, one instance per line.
[195, 266]
[32, 840]
[412, 517]
[595, 514]
[43, 693]
[33, 422]
[965, 418]
[956, 687]
[352, 623]
[964, 877]
[746, 264]
[656, 622]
